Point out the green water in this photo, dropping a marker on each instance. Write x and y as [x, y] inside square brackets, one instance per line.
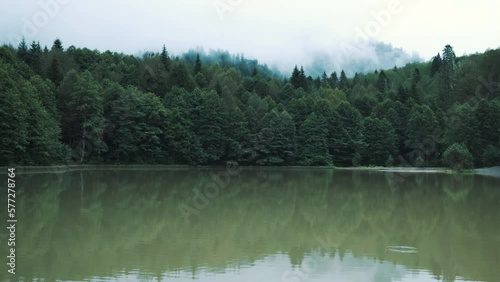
[255, 225]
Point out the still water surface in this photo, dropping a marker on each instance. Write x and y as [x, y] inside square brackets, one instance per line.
[256, 225]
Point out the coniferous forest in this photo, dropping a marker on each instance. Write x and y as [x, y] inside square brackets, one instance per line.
[78, 106]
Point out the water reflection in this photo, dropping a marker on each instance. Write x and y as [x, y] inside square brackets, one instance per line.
[265, 225]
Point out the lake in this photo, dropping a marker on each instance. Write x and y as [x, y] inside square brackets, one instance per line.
[255, 224]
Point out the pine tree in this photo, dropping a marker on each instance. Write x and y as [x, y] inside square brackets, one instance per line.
[447, 78]
[356, 79]
[334, 80]
[57, 46]
[295, 79]
[34, 57]
[197, 64]
[324, 80]
[436, 64]
[22, 51]
[165, 58]
[382, 82]
[255, 72]
[344, 82]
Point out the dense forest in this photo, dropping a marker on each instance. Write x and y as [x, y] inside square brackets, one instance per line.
[75, 105]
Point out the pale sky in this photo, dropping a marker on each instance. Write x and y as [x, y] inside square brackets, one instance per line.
[276, 32]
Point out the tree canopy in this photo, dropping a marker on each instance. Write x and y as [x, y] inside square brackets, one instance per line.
[75, 105]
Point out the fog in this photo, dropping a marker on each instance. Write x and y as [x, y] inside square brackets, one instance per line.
[358, 36]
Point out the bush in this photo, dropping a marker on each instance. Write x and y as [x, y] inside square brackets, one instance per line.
[491, 156]
[419, 161]
[458, 157]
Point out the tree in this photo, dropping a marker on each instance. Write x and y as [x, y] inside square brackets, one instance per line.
[82, 117]
[347, 138]
[436, 64]
[34, 57]
[313, 142]
[275, 144]
[334, 80]
[181, 77]
[487, 116]
[424, 134]
[12, 114]
[298, 78]
[236, 132]
[55, 74]
[30, 134]
[136, 129]
[491, 156]
[209, 124]
[22, 51]
[356, 80]
[382, 82]
[57, 46]
[165, 58]
[324, 80]
[381, 141]
[255, 72]
[458, 157]
[447, 77]
[344, 82]
[197, 64]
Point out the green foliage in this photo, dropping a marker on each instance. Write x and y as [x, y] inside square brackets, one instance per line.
[313, 142]
[380, 139]
[346, 138]
[84, 106]
[458, 157]
[423, 133]
[491, 156]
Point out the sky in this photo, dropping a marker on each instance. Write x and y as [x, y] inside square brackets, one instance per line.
[280, 33]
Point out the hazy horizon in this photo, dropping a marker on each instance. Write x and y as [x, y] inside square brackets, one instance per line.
[320, 35]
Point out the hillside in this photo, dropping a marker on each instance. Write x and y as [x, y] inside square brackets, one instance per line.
[75, 105]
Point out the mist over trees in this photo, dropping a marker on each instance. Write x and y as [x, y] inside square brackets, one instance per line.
[74, 105]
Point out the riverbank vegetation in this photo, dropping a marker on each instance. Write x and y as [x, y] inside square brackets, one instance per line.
[79, 106]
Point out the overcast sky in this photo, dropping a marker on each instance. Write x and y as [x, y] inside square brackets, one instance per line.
[279, 32]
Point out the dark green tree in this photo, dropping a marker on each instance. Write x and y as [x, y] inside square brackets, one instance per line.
[313, 142]
[57, 46]
[197, 64]
[458, 157]
[381, 141]
[22, 51]
[343, 82]
[334, 80]
[437, 62]
[165, 58]
[382, 82]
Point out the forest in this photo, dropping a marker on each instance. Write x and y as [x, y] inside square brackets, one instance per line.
[80, 106]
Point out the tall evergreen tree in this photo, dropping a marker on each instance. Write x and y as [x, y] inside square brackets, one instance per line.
[436, 64]
[382, 82]
[34, 57]
[334, 80]
[165, 58]
[343, 82]
[197, 64]
[22, 51]
[57, 46]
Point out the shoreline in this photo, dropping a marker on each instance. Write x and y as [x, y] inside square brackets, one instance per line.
[493, 171]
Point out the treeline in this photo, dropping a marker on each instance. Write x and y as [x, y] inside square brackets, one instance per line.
[77, 105]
